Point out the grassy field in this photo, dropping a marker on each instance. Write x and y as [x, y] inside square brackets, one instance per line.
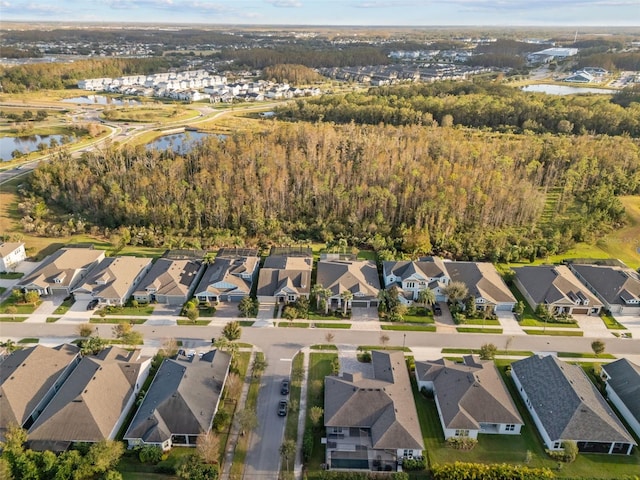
[555, 333]
[151, 114]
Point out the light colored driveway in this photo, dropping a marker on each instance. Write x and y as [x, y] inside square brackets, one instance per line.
[509, 324]
[46, 309]
[348, 356]
[593, 326]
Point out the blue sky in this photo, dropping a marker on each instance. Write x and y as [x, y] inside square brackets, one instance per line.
[331, 12]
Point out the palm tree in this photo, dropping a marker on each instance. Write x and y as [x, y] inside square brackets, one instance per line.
[232, 331]
[325, 293]
[426, 296]
[456, 291]
[316, 291]
[346, 297]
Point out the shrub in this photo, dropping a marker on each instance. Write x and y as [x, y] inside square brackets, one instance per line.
[364, 357]
[150, 454]
[462, 443]
[567, 455]
[469, 471]
[307, 444]
[221, 420]
[412, 464]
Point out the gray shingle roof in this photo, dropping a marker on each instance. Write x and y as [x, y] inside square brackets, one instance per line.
[567, 403]
[113, 277]
[26, 376]
[282, 272]
[182, 399]
[360, 277]
[170, 277]
[89, 403]
[383, 404]
[224, 275]
[610, 283]
[482, 279]
[553, 284]
[625, 381]
[469, 393]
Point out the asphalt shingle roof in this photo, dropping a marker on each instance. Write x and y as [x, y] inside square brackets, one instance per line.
[625, 381]
[610, 283]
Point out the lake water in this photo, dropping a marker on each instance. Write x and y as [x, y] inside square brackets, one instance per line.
[24, 144]
[565, 89]
[100, 100]
[179, 142]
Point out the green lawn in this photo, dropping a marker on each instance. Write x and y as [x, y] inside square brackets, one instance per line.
[11, 275]
[320, 365]
[324, 318]
[135, 321]
[29, 340]
[2, 290]
[197, 323]
[611, 323]
[13, 319]
[140, 311]
[529, 317]
[246, 323]
[21, 308]
[344, 326]
[555, 333]
[480, 321]
[409, 328]
[324, 347]
[291, 428]
[64, 307]
[478, 330]
[591, 355]
[476, 351]
[364, 348]
[294, 324]
[52, 319]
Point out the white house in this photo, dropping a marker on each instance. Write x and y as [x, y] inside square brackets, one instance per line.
[11, 254]
[411, 277]
[622, 380]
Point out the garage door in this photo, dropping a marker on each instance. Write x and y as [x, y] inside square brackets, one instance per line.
[581, 311]
[360, 304]
[504, 307]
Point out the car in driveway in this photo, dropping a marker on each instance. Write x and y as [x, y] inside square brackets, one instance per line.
[284, 387]
[92, 304]
[437, 311]
[282, 408]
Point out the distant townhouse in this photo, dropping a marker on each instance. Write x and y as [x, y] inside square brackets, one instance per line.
[471, 398]
[411, 277]
[484, 284]
[29, 378]
[170, 281]
[565, 405]
[618, 288]
[556, 287]
[622, 384]
[580, 77]
[113, 280]
[93, 402]
[181, 402]
[372, 423]
[358, 277]
[286, 275]
[230, 277]
[61, 271]
[11, 254]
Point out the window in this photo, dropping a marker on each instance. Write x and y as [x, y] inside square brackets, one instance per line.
[557, 444]
[462, 433]
[509, 427]
[291, 298]
[411, 284]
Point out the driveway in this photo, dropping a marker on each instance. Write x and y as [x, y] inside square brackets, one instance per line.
[46, 308]
[593, 326]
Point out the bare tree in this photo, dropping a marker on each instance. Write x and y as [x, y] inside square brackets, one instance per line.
[384, 339]
[208, 447]
[329, 337]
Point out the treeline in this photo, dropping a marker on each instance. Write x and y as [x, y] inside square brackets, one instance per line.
[478, 105]
[39, 76]
[296, 74]
[611, 61]
[14, 52]
[456, 193]
[348, 55]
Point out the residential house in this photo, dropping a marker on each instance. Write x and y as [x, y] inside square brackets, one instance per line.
[11, 254]
[93, 402]
[113, 280]
[359, 277]
[29, 377]
[580, 77]
[230, 277]
[181, 402]
[170, 281]
[285, 275]
[471, 397]
[372, 423]
[565, 405]
[556, 287]
[61, 271]
[618, 288]
[484, 284]
[622, 384]
[411, 277]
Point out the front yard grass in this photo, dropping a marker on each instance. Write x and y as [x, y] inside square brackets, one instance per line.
[295, 388]
[409, 328]
[11, 275]
[320, 366]
[64, 307]
[611, 323]
[529, 317]
[140, 311]
[197, 323]
[294, 324]
[134, 321]
[21, 308]
[13, 319]
[478, 330]
[52, 319]
[29, 340]
[476, 351]
[344, 326]
[555, 333]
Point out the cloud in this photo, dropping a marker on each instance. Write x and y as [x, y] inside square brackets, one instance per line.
[285, 3]
[34, 9]
[178, 6]
[385, 4]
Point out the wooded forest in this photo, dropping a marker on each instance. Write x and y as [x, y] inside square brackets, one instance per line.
[454, 192]
[473, 104]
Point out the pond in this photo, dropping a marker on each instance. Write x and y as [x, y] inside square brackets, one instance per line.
[26, 144]
[100, 100]
[179, 142]
[566, 89]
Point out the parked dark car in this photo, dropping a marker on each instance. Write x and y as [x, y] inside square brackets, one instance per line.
[437, 310]
[92, 304]
[282, 408]
[284, 388]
